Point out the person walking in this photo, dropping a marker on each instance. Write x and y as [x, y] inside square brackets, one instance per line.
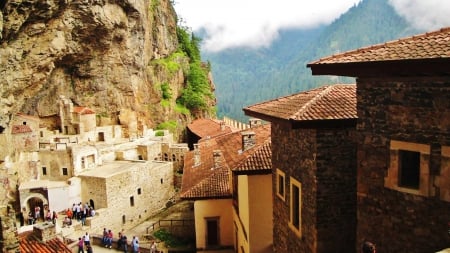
[80, 245]
[136, 246]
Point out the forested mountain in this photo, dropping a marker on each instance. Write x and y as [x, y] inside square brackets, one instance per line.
[246, 76]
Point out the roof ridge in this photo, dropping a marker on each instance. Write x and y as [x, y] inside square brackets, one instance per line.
[380, 45]
[313, 101]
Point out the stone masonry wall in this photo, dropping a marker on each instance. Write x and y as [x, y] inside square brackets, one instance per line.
[150, 184]
[293, 151]
[336, 190]
[415, 110]
[324, 162]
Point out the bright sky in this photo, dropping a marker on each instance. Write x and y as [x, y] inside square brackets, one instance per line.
[255, 23]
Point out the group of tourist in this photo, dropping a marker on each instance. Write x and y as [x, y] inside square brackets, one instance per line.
[122, 242]
[84, 242]
[79, 212]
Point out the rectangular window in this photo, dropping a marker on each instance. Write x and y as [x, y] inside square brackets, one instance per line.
[64, 171]
[139, 191]
[131, 201]
[409, 169]
[280, 184]
[295, 208]
[44, 171]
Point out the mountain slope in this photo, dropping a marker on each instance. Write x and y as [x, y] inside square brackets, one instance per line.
[244, 76]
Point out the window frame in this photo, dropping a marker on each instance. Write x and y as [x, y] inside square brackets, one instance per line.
[392, 180]
[294, 183]
[280, 173]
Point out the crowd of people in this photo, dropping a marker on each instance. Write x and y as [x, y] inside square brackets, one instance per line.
[122, 242]
[80, 212]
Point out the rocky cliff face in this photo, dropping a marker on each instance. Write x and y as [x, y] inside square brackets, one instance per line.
[98, 53]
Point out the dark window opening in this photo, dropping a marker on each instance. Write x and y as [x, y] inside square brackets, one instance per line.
[64, 171]
[409, 169]
[281, 185]
[296, 206]
[44, 171]
[139, 191]
[131, 201]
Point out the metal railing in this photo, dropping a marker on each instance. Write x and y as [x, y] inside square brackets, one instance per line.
[169, 223]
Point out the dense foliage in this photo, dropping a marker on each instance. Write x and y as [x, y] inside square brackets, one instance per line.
[246, 76]
[197, 94]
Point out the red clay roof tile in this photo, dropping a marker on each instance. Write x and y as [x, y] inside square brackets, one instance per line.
[19, 129]
[210, 178]
[423, 46]
[29, 243]
[208, 128]
[82, 110]
[323, 103]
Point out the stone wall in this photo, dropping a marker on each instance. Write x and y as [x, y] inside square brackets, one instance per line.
[323, 161]
[336, 190]
[293, 152]
[130, 195]
[415, 110]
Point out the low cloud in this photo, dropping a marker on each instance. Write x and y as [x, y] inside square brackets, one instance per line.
[254, 23]
[425, 15]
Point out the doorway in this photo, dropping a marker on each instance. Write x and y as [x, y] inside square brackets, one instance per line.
[212, 232]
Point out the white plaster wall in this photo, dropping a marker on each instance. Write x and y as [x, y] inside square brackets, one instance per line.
[59, 199]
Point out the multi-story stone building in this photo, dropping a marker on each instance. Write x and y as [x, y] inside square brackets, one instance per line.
[403, 140]
[314, 169]
[125, 179]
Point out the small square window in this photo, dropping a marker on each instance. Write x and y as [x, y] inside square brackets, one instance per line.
[409, 168]
[64, 171]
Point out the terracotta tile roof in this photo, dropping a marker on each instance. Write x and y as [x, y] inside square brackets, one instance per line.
[82, 110]
[19, 129]
[209, 178]
[29, 243]
[208, 128]
[260, 160]
[215, 185]
[432, 45]
[323, 103]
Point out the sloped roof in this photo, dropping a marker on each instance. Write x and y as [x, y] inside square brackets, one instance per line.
[423, 46]
[20, 129]
[210, 179]
[82, 110]
[425, 54]
[329, 102]
[29, 243]
[207, 128]
[260, 160]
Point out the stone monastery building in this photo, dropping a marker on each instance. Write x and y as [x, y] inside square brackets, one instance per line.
[124, 173]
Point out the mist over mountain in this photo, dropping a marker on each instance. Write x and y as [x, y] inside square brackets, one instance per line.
[245, 76]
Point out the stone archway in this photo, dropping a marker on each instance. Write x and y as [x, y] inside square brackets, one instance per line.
[33, 201]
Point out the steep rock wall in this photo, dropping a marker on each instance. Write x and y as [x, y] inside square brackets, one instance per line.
[95, 52]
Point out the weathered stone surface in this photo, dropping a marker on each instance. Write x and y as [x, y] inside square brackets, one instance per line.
[96, 53]
[412, 110]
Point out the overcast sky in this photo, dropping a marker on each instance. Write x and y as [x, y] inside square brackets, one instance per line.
[255, 23]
